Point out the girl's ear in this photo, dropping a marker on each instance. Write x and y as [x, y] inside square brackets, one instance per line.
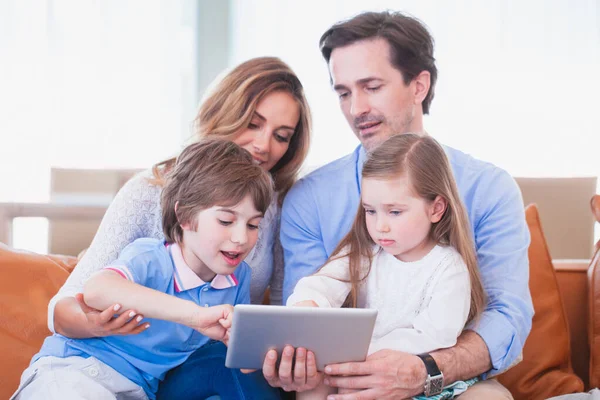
[437, 209]
[185, 226]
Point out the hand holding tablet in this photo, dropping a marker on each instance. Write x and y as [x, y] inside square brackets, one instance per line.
[334, 335]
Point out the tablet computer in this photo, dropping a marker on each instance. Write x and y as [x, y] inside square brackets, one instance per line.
[334, 334]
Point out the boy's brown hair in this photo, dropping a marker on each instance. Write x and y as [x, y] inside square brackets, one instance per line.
[208, 173]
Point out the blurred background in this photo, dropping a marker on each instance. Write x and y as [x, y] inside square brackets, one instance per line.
[115, 84]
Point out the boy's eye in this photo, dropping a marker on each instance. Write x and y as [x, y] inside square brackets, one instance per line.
[395, 212]
[225, 223]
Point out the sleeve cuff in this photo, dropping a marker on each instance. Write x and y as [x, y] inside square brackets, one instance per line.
[501, 340]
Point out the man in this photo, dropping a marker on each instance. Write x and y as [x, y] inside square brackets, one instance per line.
[383, 70]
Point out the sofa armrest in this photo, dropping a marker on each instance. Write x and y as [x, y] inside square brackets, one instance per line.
[572, 279]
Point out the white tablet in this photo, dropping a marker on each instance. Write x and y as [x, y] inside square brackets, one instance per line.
[334, 334]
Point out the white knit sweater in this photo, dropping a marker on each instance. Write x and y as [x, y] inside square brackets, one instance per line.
[422, 305]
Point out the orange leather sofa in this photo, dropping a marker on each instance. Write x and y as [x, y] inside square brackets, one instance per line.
[562, 354]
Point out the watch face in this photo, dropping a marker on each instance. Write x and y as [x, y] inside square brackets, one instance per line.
[436, 384]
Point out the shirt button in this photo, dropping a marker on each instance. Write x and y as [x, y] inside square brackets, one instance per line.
[205, 289]
[93, 372]
[206, 305]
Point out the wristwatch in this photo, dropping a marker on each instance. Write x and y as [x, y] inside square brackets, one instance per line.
[435, 379]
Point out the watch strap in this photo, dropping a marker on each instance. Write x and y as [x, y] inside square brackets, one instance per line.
[430, 364]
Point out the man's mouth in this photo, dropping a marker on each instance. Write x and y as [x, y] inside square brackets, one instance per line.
[368, 127]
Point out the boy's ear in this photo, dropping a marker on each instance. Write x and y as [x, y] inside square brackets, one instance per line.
[185, 226]
[438, 208]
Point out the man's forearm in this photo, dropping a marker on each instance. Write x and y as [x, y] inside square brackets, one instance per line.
[470, 357]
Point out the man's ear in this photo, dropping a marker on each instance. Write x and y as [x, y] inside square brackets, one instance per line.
[422, 83]
[437, 209]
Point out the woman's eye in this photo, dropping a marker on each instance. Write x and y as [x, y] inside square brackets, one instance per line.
[252, 126]
[252, 227]
[281, 138]
[225, 223]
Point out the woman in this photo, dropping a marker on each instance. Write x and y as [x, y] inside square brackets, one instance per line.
[259, 105]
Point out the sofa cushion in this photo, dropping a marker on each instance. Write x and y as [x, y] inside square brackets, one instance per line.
[546, 367]
[27, 282]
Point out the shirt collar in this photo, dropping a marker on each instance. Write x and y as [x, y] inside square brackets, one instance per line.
[360, 161]
[186, 279]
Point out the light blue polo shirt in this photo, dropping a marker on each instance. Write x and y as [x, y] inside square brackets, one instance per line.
[145, 358]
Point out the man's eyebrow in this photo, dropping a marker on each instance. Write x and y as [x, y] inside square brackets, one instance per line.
[362, 81]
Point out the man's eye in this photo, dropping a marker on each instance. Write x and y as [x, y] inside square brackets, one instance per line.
[374, 88]
[343, 95]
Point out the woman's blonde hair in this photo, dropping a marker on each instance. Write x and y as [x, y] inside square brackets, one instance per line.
[230, 106]
[424, 162]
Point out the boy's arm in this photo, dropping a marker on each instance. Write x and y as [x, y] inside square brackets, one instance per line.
[108, 287]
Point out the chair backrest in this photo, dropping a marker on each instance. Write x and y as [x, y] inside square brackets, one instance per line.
[81, 187]
[594, 304]
[563, 206]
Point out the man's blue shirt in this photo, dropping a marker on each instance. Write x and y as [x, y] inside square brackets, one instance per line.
[145, 358]
[319, 210]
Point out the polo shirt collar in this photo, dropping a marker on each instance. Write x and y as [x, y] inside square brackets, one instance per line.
[186, 279]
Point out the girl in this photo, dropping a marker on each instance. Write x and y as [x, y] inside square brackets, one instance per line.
[213, 200]
[410, 253]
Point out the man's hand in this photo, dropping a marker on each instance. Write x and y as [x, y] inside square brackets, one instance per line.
[104, 323]
[213, 322]
[303, 377]
[386, 374]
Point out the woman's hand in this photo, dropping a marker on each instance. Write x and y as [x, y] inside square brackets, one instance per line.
[302, 377]
[104, 323]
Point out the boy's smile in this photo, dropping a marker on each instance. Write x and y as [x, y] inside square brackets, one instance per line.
[222, 239]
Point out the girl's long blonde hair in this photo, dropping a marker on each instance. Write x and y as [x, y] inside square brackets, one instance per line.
[425, 163]
[229, 107]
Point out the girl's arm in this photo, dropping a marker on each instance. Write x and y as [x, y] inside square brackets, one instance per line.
[107, 287]
[133, 213]
[326, 288]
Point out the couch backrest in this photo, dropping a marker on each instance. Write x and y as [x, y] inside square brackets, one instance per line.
[594, 305]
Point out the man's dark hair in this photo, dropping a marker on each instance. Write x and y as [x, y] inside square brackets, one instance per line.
[410, 42]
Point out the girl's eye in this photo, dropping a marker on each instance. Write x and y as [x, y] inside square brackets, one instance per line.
[252, 227]
[225, 223]
[395, 213]
[370, 212]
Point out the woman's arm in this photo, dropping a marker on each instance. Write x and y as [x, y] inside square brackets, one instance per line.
[134, 213]
[107, 287]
